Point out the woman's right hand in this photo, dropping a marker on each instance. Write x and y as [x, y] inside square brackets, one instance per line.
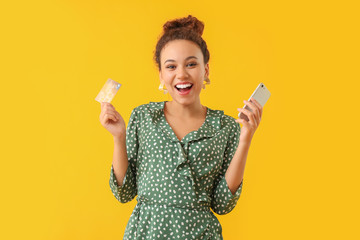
[112, 120]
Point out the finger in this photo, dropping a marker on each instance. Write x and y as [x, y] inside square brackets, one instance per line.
[112, 111]
[117, 114]
[109, 106]
[109, 111]
[108, 116]
[253, 107]
[239, 116]
[258, 111]
[243, 115]
[249, 114]
[258, 105]
[106, 110]
[104, 104]
[243, 122]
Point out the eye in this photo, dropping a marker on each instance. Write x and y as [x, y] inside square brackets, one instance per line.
[170, 66]
[173, 66]
[193, 64]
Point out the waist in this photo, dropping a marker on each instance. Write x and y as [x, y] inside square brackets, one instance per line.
[200, 206]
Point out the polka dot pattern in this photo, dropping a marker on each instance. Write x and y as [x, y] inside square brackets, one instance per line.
[177, 183]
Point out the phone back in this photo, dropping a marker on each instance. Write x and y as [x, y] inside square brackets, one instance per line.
[261, 94]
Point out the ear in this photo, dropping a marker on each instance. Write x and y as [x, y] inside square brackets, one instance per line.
[207, 71]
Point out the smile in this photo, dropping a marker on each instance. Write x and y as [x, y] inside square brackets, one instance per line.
[183, 89]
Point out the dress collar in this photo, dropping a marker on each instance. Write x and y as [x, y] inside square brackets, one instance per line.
[209, 128]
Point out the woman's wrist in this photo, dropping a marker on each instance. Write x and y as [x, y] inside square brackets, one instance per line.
[119, 139]
[244, 143]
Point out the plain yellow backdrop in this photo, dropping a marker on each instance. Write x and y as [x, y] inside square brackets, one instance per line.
[302, 173]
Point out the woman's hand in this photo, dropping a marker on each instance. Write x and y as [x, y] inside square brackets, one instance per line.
[112, 120]
[249, 127]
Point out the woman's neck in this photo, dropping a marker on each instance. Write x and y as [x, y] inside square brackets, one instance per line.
[175, 109]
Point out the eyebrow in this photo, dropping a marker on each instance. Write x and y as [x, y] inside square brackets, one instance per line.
[171, 60]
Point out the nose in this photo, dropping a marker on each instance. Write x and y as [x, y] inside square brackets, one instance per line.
[182, 73]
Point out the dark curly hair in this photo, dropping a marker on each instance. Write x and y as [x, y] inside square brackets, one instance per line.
[187, 28]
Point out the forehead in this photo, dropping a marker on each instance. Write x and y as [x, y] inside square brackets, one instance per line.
[179, 50]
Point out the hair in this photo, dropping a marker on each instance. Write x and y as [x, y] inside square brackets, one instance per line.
[187, 28]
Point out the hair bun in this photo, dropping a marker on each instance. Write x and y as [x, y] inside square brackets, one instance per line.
[189, 22]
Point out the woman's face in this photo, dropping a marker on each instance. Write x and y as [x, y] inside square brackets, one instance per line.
[182, 62]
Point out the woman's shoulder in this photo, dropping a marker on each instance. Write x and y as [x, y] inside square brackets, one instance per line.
[225, 119]
[150, 105]
[148, 108]
[222, 122]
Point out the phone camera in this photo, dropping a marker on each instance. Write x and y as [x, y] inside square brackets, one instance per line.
[262, 85]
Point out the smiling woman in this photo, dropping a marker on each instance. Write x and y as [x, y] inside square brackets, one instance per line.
[176, 155]
[182, 66]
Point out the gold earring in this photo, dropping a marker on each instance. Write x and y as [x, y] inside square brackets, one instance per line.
[206, 82]
[162, 88]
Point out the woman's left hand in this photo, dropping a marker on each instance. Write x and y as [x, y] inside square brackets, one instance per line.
[249, 127]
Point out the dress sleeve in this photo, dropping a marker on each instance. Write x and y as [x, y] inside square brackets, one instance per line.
[128, 189]
[223, 201]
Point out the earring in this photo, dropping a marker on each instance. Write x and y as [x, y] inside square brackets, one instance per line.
[162, 88]
[206, 82]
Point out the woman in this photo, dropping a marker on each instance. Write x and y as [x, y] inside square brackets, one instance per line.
[180, 157]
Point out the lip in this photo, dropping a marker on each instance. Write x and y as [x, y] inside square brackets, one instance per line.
[184, 92]
[183, 83]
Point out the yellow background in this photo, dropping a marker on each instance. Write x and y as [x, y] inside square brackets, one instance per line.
[302, 174]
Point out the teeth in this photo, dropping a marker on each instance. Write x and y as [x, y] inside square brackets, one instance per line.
[183, 85]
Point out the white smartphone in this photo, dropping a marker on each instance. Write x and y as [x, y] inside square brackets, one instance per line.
[261, 94]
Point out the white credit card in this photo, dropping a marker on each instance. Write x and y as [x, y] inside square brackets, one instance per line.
[108, 91]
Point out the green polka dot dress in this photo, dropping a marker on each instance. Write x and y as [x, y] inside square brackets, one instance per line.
[177, 183]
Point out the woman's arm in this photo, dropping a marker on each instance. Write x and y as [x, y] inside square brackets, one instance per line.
[235, 172]
[115, 124]
[120, 158]
[123, 170]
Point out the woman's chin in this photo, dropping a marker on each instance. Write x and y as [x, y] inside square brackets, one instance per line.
[185, 100]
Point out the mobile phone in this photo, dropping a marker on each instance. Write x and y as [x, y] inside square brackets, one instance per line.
[261, 95]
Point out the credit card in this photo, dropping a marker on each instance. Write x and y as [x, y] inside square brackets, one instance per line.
[108, 91]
